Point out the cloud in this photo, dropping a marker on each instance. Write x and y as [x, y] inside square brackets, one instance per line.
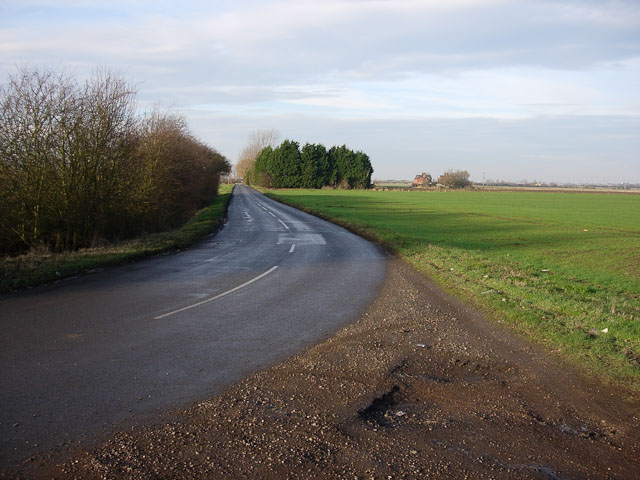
[412, 63]
[368, 39]
[387, 38]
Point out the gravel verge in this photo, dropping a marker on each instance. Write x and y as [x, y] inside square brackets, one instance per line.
[420, 386]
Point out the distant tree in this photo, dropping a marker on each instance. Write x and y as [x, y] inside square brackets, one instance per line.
[326, 167]
[314, 167]
[259, 174]
[342, 158]
[352, 169]
[455, 179]
[257, 141]
[361, 171]
[285, 166]
[309, 167]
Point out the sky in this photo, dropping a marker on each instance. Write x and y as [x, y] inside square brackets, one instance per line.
[513, 90]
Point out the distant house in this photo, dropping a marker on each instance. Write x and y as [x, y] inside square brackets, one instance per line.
[423, 180]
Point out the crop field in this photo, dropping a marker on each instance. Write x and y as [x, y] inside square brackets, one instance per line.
[563, 268]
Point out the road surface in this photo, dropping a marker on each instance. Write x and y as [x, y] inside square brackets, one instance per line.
[88, 356]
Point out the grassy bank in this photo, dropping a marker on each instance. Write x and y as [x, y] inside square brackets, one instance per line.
[562, 268]
[36, 268]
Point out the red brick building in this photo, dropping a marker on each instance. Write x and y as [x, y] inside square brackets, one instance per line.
[423, 180]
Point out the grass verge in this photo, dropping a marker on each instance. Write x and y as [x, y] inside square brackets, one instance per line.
[562, 268]
[36, 268]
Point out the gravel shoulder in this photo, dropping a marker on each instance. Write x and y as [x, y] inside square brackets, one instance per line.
[419, 386]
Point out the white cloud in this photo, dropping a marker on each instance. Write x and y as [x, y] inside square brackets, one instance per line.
[400, 61]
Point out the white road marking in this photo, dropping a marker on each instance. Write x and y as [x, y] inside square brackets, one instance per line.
[299, 226]
[301, 239]
[255, 279]
[211, 259]
[284, 224]
[264, 208]
[293, 248]
[272, 214]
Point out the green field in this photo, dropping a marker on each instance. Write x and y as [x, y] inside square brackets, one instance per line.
[561, 267]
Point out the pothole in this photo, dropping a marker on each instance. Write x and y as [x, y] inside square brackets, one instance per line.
[380, 406]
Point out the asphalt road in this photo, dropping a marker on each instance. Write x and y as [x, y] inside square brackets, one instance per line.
[85, 357]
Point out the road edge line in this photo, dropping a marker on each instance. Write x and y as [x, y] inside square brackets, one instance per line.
[188, 307]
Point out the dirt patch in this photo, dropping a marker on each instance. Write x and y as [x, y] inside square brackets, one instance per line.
[419, 387]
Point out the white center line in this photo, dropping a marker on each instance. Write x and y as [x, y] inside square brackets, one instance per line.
[255, 279]
[272, 214]
[293, 247]
[284, 224]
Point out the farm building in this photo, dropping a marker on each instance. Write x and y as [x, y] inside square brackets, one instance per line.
[423, 180]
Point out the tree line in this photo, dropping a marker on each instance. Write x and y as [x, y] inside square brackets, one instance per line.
[313, 166]
[79, 165]
[455, 179]
[450, 179]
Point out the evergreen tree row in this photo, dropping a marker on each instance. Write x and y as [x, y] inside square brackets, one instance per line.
[313, 166]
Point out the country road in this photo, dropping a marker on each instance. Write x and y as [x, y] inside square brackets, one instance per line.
[85, 357]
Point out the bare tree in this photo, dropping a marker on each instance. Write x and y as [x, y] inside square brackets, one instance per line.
[77, 164]
[455, 179]
[106, 139]
[35, 138]
[177, 173]
[258, 140]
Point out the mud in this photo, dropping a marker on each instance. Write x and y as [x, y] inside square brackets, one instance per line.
[419, 387]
